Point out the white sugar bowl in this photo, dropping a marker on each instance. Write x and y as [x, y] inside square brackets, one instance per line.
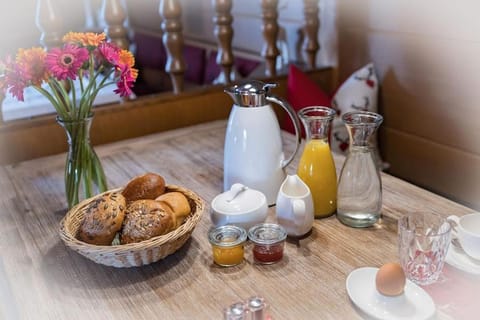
[240, 206]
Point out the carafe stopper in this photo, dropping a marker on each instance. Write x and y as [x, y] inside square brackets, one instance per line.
[250, 94]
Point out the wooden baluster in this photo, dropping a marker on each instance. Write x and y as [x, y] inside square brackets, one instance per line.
[270, 33]
[91, 23]
[224, 32]
[49, 21]
[171, 12]
[312, 24]
[114, 14]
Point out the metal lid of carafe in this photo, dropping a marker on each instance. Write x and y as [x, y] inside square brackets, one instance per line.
[250, 94]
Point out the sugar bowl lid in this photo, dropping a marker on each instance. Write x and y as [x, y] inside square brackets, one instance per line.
[239, 199]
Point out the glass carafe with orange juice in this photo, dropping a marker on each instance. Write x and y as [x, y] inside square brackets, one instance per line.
[316, 167]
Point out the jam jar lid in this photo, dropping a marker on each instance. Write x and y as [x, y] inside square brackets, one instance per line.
[267, 233]
[227, 236]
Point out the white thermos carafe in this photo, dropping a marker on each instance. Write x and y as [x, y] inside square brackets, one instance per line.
[253, 152]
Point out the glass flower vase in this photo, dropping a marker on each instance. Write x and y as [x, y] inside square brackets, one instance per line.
[84, 175]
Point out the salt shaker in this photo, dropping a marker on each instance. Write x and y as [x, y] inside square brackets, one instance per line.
[236, 311]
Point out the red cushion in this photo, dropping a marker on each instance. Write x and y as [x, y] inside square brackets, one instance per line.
[150, 51]
[302, 92]
[194, 58]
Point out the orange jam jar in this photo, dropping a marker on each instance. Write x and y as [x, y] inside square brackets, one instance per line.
[227, 245]
[268, 242]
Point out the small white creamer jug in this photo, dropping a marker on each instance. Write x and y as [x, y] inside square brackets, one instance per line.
[295, 206]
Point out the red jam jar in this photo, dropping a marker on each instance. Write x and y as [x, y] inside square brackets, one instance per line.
[268, 242]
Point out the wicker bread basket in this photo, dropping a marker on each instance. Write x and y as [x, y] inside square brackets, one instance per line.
[132, 254]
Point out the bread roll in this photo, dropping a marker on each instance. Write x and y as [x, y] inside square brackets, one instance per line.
[103, 218]
[179, 204]
[145, 219]
[147, 186]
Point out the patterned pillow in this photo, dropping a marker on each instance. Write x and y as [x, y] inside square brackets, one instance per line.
[358, 92]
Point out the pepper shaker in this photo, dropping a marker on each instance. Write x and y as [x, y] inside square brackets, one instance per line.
[258, 308]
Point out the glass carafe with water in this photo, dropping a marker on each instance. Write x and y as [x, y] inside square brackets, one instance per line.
[316, 166]
[359, 194]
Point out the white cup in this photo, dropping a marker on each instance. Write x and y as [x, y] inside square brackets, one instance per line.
[294, 206]
[467, 229]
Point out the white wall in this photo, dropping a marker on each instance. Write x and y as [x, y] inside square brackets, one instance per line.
[427, 55]
[18, 27]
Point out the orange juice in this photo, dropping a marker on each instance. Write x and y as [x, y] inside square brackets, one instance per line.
[317, 169]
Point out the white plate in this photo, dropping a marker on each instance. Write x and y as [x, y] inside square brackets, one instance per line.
[457, 258]
[414, 303]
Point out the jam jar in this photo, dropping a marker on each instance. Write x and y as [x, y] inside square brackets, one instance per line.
[227, 245]
[268, 242]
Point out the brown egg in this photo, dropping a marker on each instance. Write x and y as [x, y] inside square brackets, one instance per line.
[390, 279]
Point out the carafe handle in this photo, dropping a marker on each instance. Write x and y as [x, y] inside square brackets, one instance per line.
[296, 123]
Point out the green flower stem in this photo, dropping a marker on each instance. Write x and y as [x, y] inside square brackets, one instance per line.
[85, 105]
[61, 94]
[89, 99]
[87, 176]
[62, 112]
[99, 175]
[80, 76]
[74, 96]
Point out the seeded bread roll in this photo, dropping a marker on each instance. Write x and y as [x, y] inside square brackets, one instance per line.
[103, 218]
[147, 186]
[179, 204]
[145, 219]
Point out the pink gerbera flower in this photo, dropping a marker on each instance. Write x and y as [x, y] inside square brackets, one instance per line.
[109, 52]
[16, 81]
[32, 61]
[127, 79]
[65, 62]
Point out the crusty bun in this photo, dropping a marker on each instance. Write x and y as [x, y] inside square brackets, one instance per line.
[147, 186]
[179, 204]
[103, 218]
[145, 219]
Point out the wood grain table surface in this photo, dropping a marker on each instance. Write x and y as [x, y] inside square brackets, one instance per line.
[40, 278]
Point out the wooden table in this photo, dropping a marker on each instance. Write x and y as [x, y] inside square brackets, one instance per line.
[42, 279]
